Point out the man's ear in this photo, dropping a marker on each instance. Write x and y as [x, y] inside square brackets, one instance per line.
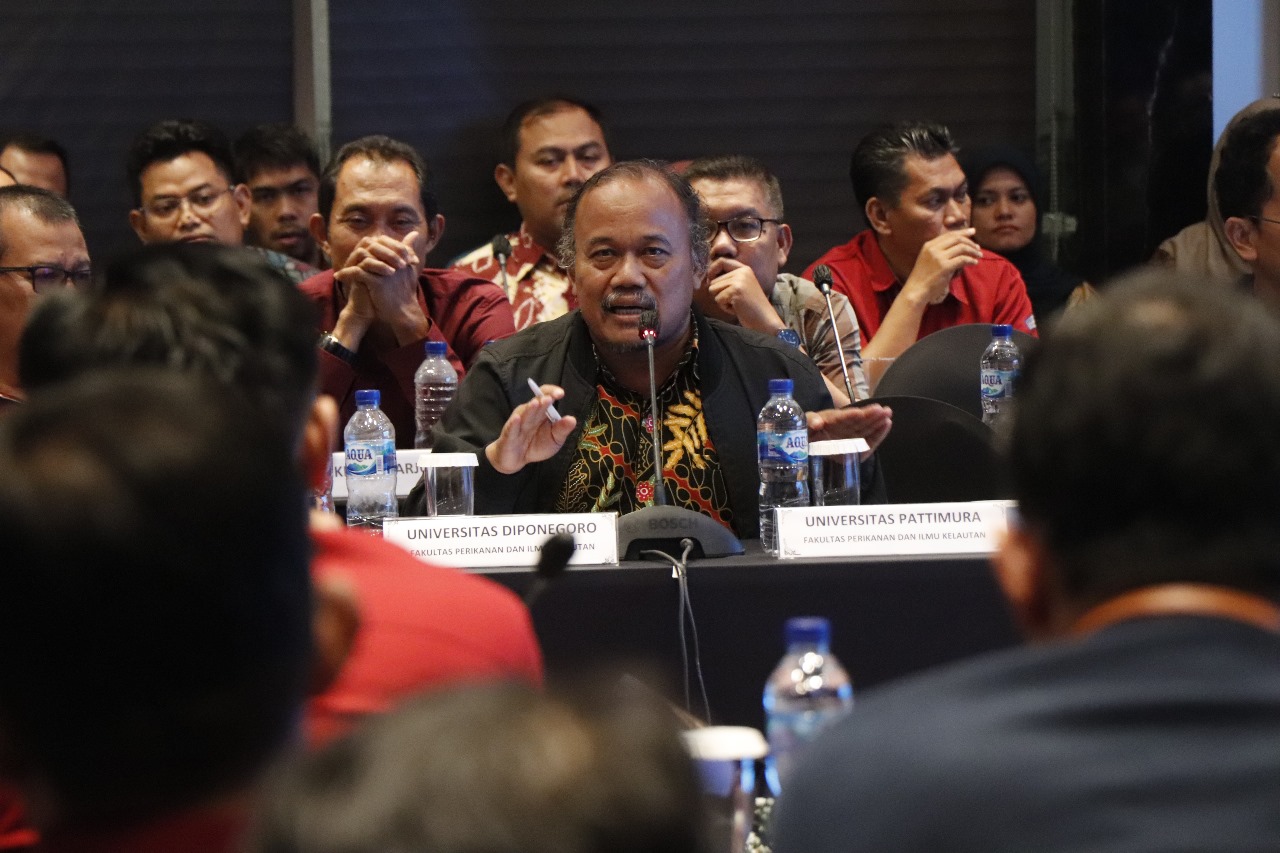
[435, 230]
[318, 437]
[1242, 235]
[785, 241]
[319, 229]
[1022, 569]
[138, 222]
[875, 212]
[505, 177]
[244, 203]
[335, 621]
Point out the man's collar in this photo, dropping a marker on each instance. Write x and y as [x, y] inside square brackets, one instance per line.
[1181, 599]
[883, 277]
[527, 252]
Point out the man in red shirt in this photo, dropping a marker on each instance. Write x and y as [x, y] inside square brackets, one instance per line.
[378, 306]
[917, 268]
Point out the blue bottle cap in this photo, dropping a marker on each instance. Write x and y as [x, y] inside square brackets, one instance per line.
[781, 386]
[809, 631]
[1001, 330]
[437, 348]
[369, 397]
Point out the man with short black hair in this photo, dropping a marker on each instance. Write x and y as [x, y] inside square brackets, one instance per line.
[41, 250]
[1247, 184]
[182, 175]
[745, 284]
[36, 161]
[1145, 556]
[550, 147]
[379, 305]
[279, 165]
[917, 268]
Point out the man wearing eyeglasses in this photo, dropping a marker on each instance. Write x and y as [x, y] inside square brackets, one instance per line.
[182, 176]
[281, 168]
[41, 250]
[744, 284]
[1248, 189]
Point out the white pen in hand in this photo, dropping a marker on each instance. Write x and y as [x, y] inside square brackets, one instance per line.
[552, 414]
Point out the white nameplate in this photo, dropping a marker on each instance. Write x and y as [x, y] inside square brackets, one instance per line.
[484, 541]
[410, 471]
[892, 529]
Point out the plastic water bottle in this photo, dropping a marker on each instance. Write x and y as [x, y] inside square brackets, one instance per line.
[1001, 364]
[370, 444]
[782, 436]
[808, 691]
[434, 385]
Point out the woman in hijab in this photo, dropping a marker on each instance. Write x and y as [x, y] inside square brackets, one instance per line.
[1006, 190]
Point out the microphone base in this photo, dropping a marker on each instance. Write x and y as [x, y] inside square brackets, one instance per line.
[661, 528]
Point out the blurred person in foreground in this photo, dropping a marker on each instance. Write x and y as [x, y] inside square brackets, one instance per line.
[499, 769]
[389, 626]
[1145, 563]
[158, 648]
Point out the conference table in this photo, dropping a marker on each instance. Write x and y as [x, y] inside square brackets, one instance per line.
[890, 617]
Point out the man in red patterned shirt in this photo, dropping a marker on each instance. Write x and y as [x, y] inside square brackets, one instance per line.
[551, 146]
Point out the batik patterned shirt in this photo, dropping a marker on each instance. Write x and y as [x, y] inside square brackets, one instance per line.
[613, 471]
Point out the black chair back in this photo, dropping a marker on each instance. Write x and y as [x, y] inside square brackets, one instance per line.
[946, 366]
[936, 452]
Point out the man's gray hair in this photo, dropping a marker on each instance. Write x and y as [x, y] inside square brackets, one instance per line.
[635, 170]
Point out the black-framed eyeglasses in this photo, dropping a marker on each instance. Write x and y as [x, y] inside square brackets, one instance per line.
[45, 278]
[1265, 219]
[743, 229]
[202, 201]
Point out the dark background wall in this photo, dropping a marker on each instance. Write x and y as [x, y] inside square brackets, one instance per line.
[794, 84]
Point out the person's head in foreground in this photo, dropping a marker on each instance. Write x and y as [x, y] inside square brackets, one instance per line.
[1144, 455]
[499, 768]
[156, 608]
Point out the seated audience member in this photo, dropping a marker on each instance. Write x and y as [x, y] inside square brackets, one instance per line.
[379, 305]
[226, 315]
[745, 284]
[1202, 248]
[1146, 559]
[1007, 193]
[550, 147]
[917, 268]
[41, 250]
[1248, 189]
[36, 161]
[280, 166]
[502, 769]
[183, 179]
[158, 648]
[635, 239]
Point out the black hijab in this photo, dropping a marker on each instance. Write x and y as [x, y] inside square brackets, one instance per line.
[1048, 285]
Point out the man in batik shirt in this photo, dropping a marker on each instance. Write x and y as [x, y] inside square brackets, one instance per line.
[635, 241]
[551, 146]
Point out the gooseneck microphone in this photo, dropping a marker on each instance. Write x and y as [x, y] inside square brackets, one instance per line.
[647, 531]
[501, 248]
[649, 334]
[822, 278]
[552, 561]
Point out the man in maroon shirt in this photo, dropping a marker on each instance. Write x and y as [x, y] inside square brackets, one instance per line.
[378, 306]
[917, 268]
